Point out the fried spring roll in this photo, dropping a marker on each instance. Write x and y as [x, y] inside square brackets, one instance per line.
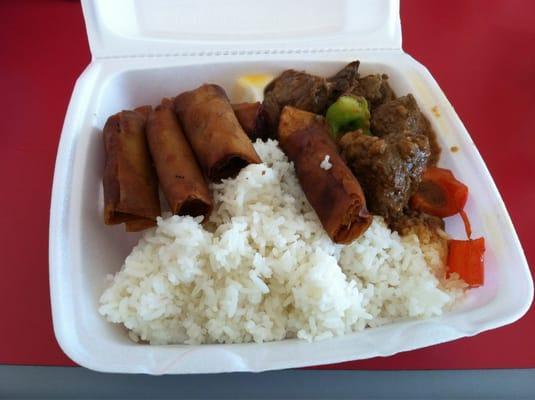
[168, 102]
[145, 110]
[180, 176]
[252, 118]
[329, 185]
[130, 183]
[137, 225]
[216, 137]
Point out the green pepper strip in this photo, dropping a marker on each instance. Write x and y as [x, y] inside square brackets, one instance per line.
[348, 113]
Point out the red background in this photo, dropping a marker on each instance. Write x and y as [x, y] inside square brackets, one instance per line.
[482, 54]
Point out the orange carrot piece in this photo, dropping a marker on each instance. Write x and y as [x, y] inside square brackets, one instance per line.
[439, 193]
[465, 257]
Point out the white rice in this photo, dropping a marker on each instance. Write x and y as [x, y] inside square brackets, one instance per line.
[264, 269]
[325, 163]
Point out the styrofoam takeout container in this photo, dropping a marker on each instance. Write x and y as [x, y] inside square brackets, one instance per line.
[143, 51]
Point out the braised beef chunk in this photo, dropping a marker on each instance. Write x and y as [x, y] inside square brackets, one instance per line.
[404, 115]
[375, 89]
[344, 80]
[399, 115]
[388, 168]
[298, 89]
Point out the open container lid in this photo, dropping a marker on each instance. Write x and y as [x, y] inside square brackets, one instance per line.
[137, 28]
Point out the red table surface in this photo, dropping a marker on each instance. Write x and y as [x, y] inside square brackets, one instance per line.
[482, 54]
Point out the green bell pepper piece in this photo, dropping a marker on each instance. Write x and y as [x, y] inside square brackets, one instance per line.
[348, 113]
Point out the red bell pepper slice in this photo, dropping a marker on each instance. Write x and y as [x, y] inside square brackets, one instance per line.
[465, 257]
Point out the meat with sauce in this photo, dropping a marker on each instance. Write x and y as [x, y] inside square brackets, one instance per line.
[297, 89]
[344, 80]
[389, 168]
[403, 115]
[315, 94]
[375, 89]
[390, 165]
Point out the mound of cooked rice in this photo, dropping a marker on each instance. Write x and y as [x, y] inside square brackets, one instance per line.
[264, 269]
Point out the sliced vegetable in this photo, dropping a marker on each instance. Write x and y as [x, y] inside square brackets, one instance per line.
[439, 193]
[348, 113]
[466, 222]
[465, 257]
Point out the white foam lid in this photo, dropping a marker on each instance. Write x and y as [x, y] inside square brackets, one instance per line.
[186, 27]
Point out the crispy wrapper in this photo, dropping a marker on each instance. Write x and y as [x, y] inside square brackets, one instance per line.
[130, 183]
[253, 119]
[216, 137]
[145, 110]
[334, 193]
[181, 179]
[168, 102]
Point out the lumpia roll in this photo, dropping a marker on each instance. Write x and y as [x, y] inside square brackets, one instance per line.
[180, 176]
[168, 102]
[137, 225]
[252, 118]
[144, 110]
[329, 185]
[130, 183]
[216, 137]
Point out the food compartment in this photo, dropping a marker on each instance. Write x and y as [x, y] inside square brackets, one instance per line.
[97, 250]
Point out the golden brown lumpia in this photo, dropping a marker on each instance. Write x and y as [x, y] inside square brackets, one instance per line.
[168, 102]
[145, 110]
[216, 137]
[252, 118]
[334, 193]
[130, 183]
[139, 224]
[180, 176]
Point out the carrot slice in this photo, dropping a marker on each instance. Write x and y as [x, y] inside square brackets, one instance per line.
[465, 257]
[439, 193]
